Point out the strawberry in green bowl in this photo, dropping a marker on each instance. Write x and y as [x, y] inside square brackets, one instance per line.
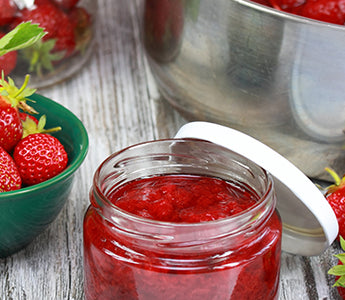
[28, 210]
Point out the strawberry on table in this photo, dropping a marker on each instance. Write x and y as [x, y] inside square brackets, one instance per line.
[9, 176]
[335, 196]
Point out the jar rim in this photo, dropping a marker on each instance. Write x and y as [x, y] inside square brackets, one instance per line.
[267, 194]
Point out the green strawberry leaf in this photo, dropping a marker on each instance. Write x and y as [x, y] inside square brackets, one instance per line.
[24, 35]
[40, 56]
[340, 282]
[342, 243]
[341, 257]
[337, 270]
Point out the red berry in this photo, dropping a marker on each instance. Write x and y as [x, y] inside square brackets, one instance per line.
[55, 22]
[332, 11]
[65, 37]
[335, 196]
[39, 157]
[287, 5]
[9, 176]
[7, 12]
[11, 99]
[11, 128]
[23, 116]
[337, 202]
[45, 14]
[8, 61]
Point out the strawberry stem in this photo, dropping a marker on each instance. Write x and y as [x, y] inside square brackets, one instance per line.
[335, 176]
[22, 88]
[54, 129]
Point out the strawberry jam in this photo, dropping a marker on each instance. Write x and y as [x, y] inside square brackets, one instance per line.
[175, 235]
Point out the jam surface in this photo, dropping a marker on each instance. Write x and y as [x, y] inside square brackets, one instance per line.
[182, 198]
[118, 265]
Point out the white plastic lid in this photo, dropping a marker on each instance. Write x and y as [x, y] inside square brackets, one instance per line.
[309, 223]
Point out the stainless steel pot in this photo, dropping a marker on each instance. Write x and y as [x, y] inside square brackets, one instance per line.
[277, 77]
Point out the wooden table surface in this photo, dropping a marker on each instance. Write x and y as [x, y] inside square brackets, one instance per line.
[117, 100]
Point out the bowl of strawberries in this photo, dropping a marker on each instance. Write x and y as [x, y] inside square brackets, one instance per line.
[42, 145]
[66, 47]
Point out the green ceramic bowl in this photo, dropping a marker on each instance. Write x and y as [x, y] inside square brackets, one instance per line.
[25, 213]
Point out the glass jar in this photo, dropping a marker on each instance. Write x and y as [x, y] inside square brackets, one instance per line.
[66, 47]
[131, 257]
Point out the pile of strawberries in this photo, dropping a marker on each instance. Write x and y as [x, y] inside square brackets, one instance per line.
[331, 11]
[68, 28]
[28, 153]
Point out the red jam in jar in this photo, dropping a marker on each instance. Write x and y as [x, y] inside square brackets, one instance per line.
[181, 219]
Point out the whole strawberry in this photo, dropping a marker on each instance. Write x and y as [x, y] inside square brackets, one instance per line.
[335, 196]
[39, 157]
[58, 43]
[11, 99]
[9, 176]
[46, 15]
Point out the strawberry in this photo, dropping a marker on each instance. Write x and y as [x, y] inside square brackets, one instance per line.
[46, 15]
[24, 117]
[339, 270]
[7, 11]
[9, 176]
[332, 11]
[58, 43]
[54, 20]
[39, 157]
[12, 98]
[335, 196]
[286, 5]
[65, 37]
[8, 61]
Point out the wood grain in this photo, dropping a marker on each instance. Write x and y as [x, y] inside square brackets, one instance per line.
[116, 98]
